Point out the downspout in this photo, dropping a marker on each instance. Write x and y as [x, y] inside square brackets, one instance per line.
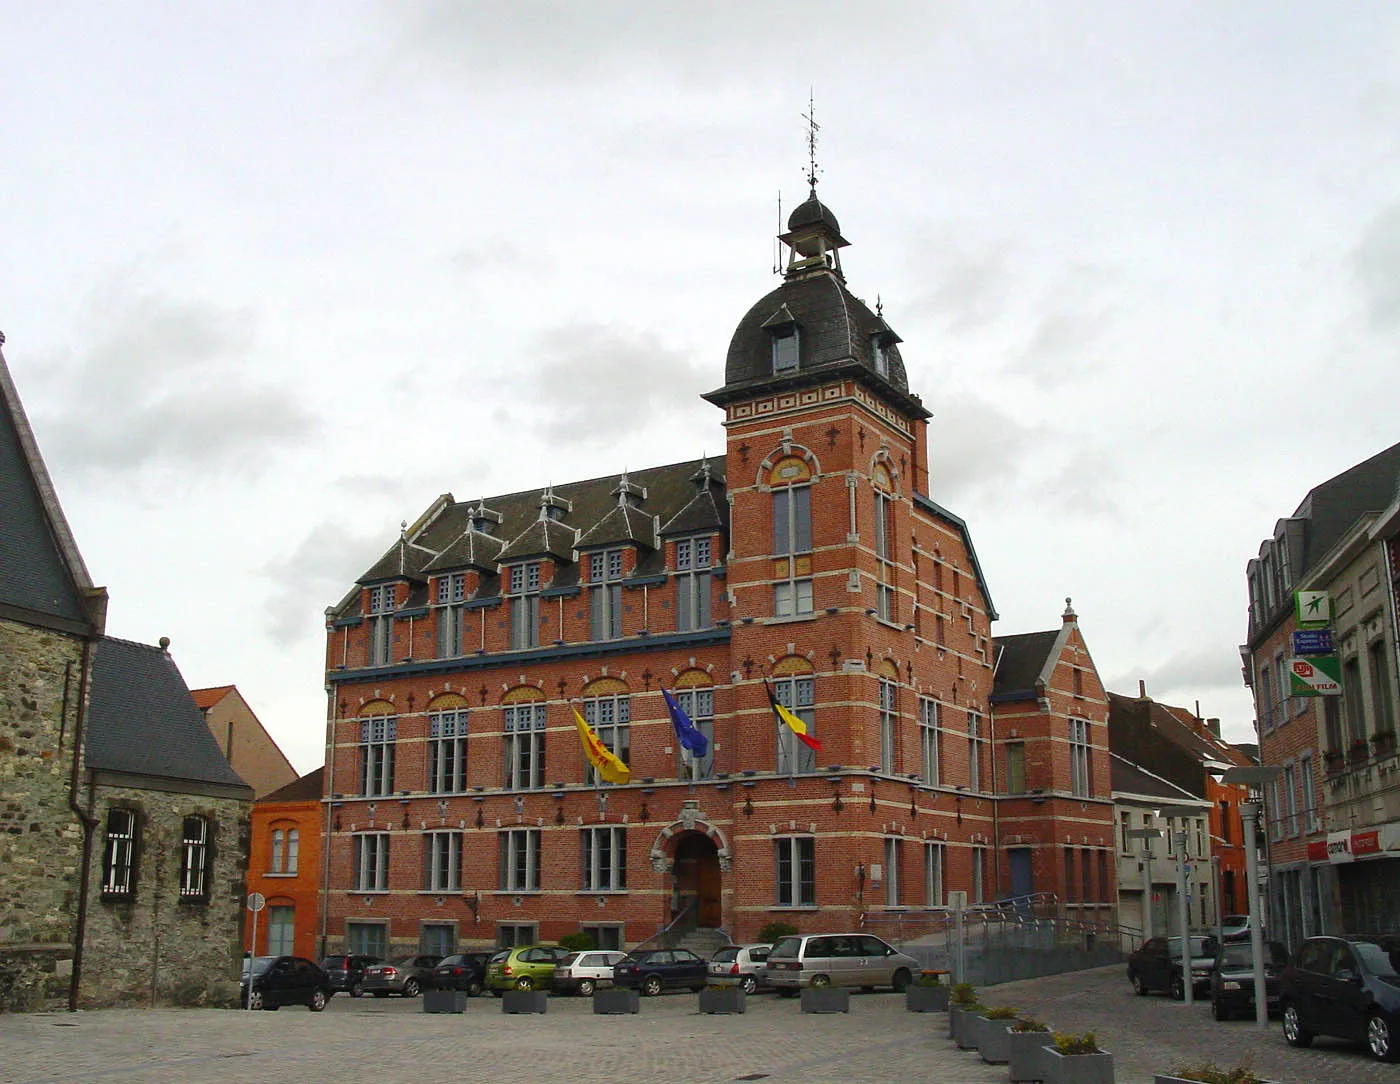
[86, 820]
[328, 814]
[996, 801]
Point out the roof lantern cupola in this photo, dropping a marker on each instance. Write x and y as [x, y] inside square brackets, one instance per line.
[553, 507]
[481, 518]
[629, 494]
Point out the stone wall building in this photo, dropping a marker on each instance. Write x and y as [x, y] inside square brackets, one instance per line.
[124, 830]
[810, 565]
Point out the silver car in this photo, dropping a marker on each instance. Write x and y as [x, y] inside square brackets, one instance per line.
[586, 971]
[837, 959]
[740, 965]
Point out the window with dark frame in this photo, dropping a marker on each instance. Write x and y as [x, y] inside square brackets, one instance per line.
[693, 570]
[605, 594]
[520, 860]
[604, 858]
[378, 734]
[796, 865]
[194, 858]
[451, 592]
[524, 745]
[119, 853]
[447, 752]
[523, 591]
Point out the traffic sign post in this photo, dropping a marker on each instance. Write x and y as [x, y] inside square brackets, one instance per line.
[256, 902]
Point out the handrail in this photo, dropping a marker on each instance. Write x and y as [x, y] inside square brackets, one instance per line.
[660, 935]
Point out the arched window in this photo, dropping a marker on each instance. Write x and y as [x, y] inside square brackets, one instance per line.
[277, 864]
[695, 693]
[607, 708]
[523, 717]
[378, 731]
[795, 689]
[790, 479]
[293, 845]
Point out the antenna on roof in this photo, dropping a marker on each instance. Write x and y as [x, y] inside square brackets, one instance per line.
[777, 244]
[812, 129]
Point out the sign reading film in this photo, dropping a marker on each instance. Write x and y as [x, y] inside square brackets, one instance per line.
[1319, 675]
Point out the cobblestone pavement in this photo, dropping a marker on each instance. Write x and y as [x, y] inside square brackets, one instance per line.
[393, 1040]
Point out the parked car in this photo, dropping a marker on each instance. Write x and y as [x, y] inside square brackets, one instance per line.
[1346, 987]
[584, 972]
[654, 970]
[524, 967]
[1156, 965]
[742, 965]
[1232, 978]
[269, 982]
[461, 971]
[1234, 927]
[405, 976]
[840, 959]
[346, 971]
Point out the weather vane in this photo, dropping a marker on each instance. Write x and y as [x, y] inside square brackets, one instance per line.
[812, 129]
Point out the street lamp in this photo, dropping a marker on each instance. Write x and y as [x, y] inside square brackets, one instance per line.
[1183, 917]
[1254, 777]
[1147, 835]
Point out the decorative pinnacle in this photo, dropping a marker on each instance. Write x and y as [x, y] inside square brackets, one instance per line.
[812, 129]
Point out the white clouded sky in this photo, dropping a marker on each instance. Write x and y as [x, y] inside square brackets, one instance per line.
[277, 275]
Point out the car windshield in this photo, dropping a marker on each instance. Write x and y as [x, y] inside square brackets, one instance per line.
[788, 946]
[260, 964]
[1380, 957]
[569, 959]
[1235, 920]
[336, 962]
[1200, 946]
[725, 955]
[452, 961]
[501, 957]
[1241, 956]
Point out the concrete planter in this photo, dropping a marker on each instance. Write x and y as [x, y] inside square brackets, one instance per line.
[926, 998]
[722, 1000]
[616, 1001]
[995, 1043]
[1077, 1068]
[967, 1032]
[1164, 1078]
[444, 1001]
[1023, 1049]
[524, 1001]
[826, 999]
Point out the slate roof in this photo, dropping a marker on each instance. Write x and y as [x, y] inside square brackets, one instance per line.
[308, 788]
[623, 524]
[470, 549]
[1021, 660]
[811, 211]
[834, 331]
[1127, 778]
[1178, 725]
[1334, 506]
[142, 719]
[41, 571]
[430, 544]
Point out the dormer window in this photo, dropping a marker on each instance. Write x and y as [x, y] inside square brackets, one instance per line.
[784, 348]
[880, 354]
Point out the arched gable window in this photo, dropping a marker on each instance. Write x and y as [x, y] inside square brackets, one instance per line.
[523, 713]
[607, 708]
[794, 686]
[695, 692]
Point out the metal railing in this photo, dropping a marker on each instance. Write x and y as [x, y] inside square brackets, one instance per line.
[671, 933]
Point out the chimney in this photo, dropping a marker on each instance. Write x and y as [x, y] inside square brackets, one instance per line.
[1142, 689]
[1214, 725]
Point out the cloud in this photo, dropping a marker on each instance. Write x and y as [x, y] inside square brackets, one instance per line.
[315, 574]
[962, 460]
[1085, 485]
[497, 254]
[1075, 316]
[165, 383]
[597, 380]
[971, 286]
[1211, 666]
[1376, 264]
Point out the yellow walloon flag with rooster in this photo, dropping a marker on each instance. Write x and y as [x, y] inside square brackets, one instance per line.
[599, 755]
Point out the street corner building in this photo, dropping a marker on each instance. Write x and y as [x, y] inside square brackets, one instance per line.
[123, 831]
[841, 747]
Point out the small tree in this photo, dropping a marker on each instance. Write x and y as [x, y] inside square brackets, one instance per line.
[578, 941]
[776, 931]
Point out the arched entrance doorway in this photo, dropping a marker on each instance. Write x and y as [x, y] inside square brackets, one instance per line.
[697, 872]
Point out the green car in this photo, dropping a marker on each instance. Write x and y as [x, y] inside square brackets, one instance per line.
[525, 967]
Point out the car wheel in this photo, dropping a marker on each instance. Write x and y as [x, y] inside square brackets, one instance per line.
[900, 981]
[1293, 1029]
[786, 991]
[1178, 989]
[474, 988]
[318, 1001]
[525, 982]
[411, 988]
[749, 984]
[1139, 987]
[357, 989]
[820, 982]
[1379, 1040]
[651, 986]
[255, 1000]
[1218, 1010]
[585, 987]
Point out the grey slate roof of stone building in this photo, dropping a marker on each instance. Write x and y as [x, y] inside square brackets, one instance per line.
[1021, 659]
[1332, 507]
[41, 570]
[142, 720]
[670, 490]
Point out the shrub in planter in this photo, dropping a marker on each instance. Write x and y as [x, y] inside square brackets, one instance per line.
[995, 1036]
[1210, 1073]
[1026, 1040]
[772, 932]
[963, 994]
[578, 941]
[928, 994]
[1076, 1059]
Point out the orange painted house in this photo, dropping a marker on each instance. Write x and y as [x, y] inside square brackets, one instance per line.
[284, 865]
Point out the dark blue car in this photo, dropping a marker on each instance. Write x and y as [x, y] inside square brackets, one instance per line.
[654, 970]
[1346, 987]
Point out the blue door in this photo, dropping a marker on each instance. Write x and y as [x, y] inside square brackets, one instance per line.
[1021, 880]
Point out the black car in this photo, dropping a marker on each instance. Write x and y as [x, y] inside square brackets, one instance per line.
[1156, 965]
[1346, 987]
[654, 970]
[1232, 981]
[461, 971]
[346, 971]
[284, 980]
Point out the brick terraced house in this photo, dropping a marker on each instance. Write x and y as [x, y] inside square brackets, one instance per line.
[811, 562]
